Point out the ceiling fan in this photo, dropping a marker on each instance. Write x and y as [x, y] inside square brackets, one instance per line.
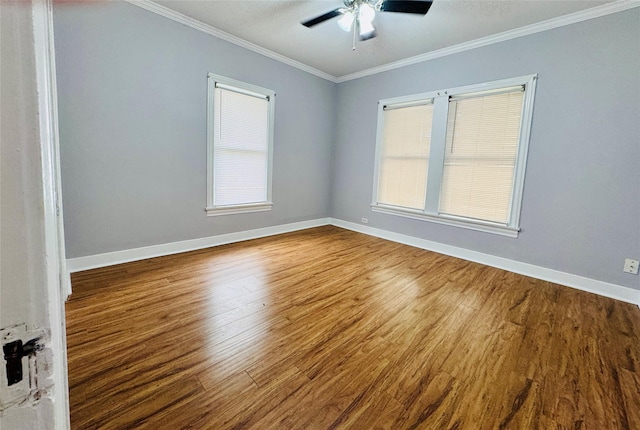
[362, 12]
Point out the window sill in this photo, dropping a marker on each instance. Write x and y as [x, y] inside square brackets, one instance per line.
[486, 227]
[238, 209]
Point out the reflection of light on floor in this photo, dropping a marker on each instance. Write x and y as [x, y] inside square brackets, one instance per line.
[391, 278]
[237, 311]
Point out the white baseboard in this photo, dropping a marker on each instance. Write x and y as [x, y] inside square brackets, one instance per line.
[136, 254]
[606, 289]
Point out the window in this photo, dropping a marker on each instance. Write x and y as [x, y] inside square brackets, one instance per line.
[404, 161]
[456, 156]
[239, 144]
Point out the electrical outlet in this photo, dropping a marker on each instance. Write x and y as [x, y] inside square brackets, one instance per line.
[364, 221]
[630, 266]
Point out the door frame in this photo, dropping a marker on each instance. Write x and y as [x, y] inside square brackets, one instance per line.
[58, 285]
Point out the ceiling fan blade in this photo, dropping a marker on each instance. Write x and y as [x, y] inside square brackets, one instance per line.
[406, 6]
[322, 18]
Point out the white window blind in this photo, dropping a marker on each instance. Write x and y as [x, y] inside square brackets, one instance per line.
[480, 156]
[405, 156]
[240, 156]
[240, 122]
[456, 156]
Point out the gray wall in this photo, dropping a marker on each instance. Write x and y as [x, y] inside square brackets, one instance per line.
[132, 92]
[581, 209]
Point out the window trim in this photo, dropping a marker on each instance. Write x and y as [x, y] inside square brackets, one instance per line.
[440, 98]
[253, 91]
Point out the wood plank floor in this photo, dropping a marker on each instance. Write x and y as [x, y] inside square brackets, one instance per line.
[328, 329]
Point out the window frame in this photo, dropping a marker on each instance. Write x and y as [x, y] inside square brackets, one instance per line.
[248, 89]
[431, 211]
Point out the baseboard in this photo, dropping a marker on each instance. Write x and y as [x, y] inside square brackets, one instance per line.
[613, 291]
[606, 289]
[136, 254]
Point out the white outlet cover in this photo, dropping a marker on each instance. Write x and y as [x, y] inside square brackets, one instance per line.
[631, 266]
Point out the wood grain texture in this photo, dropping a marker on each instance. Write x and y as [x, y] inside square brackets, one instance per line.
[331, 329]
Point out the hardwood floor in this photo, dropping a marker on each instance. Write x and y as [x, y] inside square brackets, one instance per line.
[327, 329]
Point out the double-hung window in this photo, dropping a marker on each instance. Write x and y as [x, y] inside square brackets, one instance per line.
[456, 156]
[239, 146]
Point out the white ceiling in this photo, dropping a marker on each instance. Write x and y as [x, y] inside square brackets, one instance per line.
[275, 25]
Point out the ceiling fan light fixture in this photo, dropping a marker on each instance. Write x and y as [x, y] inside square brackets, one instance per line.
[366, 29]
[346, 21]
[357, 16]
[366, 13]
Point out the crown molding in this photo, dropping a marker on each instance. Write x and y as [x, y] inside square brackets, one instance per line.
[205, 28]
[561, 21]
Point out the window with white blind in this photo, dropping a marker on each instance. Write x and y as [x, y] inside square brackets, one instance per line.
[404, 161]
[240, 141]
[456, 156]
